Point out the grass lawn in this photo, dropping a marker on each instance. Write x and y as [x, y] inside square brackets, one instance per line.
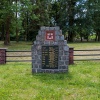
[85, 45]
[27, 45]
[17, 46]
[82, 82]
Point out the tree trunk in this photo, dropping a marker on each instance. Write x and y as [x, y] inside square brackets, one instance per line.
[87, 38]
[25, 37]
[16, 24]
[7, 35]
[27, 26]
[17, 35]
[98, 36]
[70, 36]
[81, 38]
[3, 32]
[71, 12]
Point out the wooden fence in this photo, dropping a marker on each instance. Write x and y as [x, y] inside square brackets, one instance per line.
[87, 55]
[25, 56]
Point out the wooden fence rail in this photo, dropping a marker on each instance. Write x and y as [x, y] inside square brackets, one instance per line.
[87, 55]
[25, 56]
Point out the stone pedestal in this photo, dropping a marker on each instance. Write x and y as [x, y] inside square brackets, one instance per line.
[56, 49]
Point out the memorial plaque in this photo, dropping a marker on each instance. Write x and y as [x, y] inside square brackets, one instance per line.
[50, 57]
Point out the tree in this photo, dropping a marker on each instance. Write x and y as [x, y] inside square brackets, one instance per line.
[23, 18]
[58, 14]
[39, 17]
[64, 16]
[2, 28]
[71, 17]
[83, 19]
[96, 18]
[6, 19]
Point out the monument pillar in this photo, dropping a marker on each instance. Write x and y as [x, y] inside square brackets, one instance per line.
[50, 52]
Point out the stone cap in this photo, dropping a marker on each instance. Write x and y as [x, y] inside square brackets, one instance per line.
[50, 28]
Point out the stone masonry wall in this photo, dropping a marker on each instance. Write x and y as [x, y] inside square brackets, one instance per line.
[63, 57]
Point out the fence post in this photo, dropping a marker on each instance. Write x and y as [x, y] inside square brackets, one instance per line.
[2, 55]
[71, 55]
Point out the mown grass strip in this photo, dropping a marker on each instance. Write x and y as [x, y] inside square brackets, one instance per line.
[82, 82]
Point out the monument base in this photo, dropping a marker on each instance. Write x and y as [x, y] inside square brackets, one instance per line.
[49, 70]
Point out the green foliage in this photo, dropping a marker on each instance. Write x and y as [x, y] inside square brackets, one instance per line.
[92, 37]
[75, 17]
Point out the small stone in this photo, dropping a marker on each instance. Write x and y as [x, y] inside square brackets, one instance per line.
[39, 32]
[66, 48]
[55, 43]
[47, 28]
[57, 33]
[61, 37]
[43, 28]
[60, 52]
[61, 62]
[52, 28]
[56, 38]
[34, 70]
[57, 28]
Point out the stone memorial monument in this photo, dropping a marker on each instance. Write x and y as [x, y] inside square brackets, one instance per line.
[50, 52]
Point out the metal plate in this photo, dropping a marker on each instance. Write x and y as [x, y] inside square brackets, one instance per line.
[50, 57]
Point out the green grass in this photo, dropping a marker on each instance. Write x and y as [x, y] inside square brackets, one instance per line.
[17, 46]
[27, 45]
[82, 82]
[85, 45]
